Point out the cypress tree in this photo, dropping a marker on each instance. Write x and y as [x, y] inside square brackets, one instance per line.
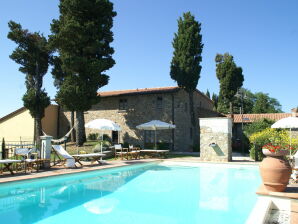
[33, 55]
[185, 65]
[82, 37]
[230, 78]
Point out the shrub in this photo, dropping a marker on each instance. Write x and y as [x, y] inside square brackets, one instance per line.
[93, 136]
[256, 151]
[3, 149]
[257, 126]
[273, 137]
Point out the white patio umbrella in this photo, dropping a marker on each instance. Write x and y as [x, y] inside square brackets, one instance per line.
[288, 122]
[155, 125]
[103, 125]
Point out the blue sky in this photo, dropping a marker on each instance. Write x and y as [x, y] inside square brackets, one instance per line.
[261, 35]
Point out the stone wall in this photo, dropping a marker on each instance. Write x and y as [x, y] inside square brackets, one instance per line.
[215, 139]
[143, 108]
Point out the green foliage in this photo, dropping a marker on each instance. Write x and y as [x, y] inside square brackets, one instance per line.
[93, 136]
[256, 153]
[215, 101]
[257, 126]
[33, 55]
[82, 37]
[187, 44]
[36, 105]
[266, 104]
[230, 77]
[3, 149]
[245, 98]
[208, 94]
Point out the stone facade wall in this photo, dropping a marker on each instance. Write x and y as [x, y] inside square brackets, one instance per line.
[144, 108]
[215, 139]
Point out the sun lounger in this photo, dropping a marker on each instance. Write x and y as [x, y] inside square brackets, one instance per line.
[7, 163]
[68, 160]
[159, 153]
[95, 157]
[72, 159]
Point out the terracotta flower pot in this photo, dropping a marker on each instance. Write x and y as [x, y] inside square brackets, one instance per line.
[275, 170]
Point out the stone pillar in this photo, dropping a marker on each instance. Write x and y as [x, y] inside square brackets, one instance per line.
[46, 147]
[216, 139]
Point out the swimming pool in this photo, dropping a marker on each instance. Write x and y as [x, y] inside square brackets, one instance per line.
[151, 193]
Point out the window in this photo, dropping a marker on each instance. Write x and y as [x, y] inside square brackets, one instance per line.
[123, 104]
[185, 107]
[190, 133]
[200, 104]
[159, 102]
[149, 136]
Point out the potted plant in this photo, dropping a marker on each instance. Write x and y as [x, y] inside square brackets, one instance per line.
[275, 169]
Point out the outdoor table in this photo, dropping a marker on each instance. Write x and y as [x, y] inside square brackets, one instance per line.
[96, 157]
[155, 151]
[8, 163]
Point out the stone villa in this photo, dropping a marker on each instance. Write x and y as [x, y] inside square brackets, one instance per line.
[129, 108]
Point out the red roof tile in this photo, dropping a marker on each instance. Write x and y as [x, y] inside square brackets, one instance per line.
[145, 91]
[249, 118]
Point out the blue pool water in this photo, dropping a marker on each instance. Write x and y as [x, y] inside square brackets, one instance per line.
[139, 194]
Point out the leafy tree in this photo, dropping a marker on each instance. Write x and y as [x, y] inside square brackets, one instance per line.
[266, 104]
[3, 149]
[215, 101]
[230, 78]
[33, 55]
[257, 126]
[208, 94]
[82, 37]
[246, 99]
[185, 65]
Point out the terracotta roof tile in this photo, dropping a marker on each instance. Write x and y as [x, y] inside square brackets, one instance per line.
[138, 91]
[249, 118]
[145, 91]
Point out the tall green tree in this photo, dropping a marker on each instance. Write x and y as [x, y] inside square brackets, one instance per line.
[33, 55]
[265, 104]
[230, 78]
[82, 37]
[208, 94]
[185, 65]
[245, 99]
[215, 101]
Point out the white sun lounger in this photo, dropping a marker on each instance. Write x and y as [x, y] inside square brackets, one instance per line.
[72, 159]
[69, 160]
[8, 163]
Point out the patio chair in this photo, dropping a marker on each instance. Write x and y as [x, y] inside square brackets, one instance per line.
[119, 151]
[134, 152]
[29, 157]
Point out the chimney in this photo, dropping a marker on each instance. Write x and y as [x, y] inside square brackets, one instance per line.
[294, 112]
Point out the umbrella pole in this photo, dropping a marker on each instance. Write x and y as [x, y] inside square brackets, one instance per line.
[155, 139]
[290, 141]
[101, 142]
